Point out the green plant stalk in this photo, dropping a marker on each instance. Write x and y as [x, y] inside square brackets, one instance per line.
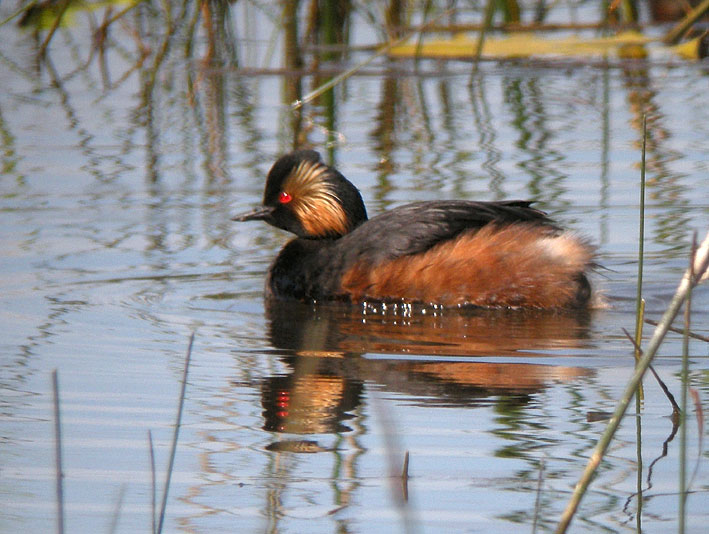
[639, 321]
[639, 328]
[639, 403]
[683, 413]
[639, 304]
[639, 465]
[700, 265]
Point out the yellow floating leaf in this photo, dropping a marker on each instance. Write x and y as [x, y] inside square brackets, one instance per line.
[692, 49]
[521, 45]
[44, 14]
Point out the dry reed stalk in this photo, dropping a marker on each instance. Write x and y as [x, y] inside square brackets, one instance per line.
[676, 33]
[680, 331]
[697, 273]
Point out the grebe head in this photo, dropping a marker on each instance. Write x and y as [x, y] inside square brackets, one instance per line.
[307, 197]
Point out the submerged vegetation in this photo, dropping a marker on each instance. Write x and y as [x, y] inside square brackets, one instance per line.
[316, 38]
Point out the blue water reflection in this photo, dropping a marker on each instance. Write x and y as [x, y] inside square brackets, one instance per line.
[119, 180]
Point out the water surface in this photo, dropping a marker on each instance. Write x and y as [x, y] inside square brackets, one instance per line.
[117, 189]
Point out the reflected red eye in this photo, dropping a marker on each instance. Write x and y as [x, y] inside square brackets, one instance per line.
[284, 198]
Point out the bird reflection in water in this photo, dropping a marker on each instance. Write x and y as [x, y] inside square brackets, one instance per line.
[324, 346]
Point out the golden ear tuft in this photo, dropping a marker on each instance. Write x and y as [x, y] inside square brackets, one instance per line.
[314, 200]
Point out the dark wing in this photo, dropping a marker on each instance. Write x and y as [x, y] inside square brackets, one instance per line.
[417, 227]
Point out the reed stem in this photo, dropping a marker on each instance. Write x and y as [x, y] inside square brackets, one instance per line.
[691, 277]
[683, 413]
[639, 302]
[59, 472]
[175, 435]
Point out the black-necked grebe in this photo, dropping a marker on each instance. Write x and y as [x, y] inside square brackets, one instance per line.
[450, 252]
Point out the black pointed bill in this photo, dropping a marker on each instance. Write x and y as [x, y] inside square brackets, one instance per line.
[262, 213]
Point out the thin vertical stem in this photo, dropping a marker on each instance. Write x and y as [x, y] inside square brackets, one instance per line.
[639, 321]
[639, 304]
[175, 435]
[639, 465]
[391, 445]
[700, 267]
[153, 483]
[641, 235]
[538, 498]
[683, 412]
[405, 478]
[117, 510]
[58, 454]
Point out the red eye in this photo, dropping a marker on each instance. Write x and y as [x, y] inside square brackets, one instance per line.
[284, 198]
